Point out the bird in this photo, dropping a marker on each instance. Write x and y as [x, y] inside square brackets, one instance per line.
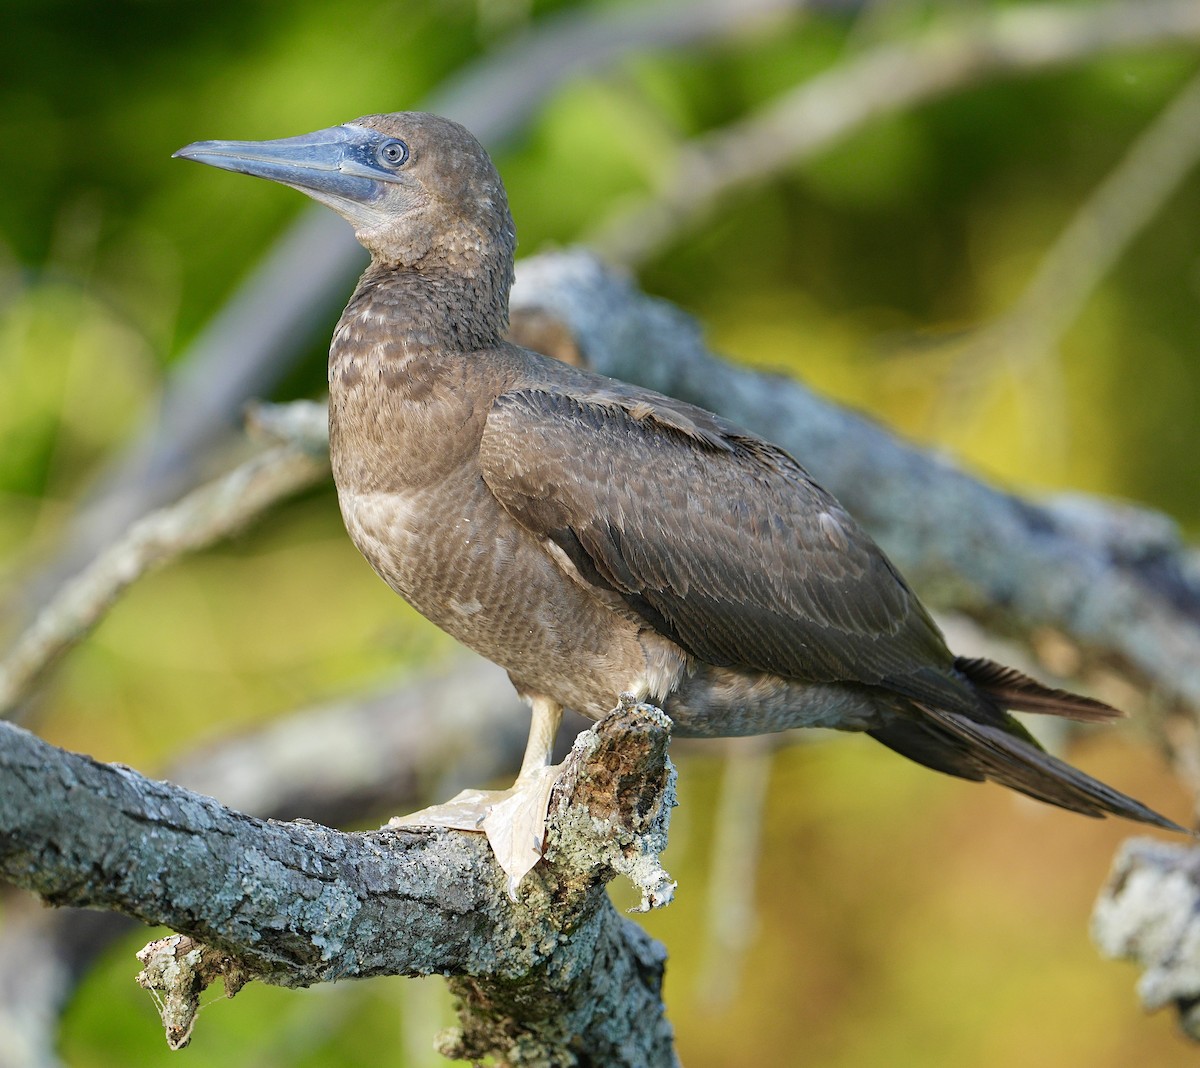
[597, 539]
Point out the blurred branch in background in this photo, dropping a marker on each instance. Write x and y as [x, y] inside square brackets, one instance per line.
[242, 354]
[732, 914]
[500, 92]
[201, 518]
[956, 52]
[1086, 250]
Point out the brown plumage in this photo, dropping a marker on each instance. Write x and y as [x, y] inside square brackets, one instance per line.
[596, 538]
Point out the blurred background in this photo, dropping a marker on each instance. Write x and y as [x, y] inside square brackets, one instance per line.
[1005, 264]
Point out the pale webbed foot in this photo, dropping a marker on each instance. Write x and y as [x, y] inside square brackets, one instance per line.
[514, 820]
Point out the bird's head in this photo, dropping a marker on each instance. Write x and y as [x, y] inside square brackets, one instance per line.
[418, 189]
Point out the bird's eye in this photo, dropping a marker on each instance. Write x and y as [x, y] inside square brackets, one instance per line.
[392, 153]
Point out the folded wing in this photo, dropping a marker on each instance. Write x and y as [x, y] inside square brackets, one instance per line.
[715, 537]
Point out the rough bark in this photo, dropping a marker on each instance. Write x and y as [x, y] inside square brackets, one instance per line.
[342, 763]
[1149, 913]
[554, 978]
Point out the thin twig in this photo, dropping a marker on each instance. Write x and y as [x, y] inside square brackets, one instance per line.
[731, 915]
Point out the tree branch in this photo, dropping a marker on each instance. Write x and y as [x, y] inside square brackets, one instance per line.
[342, 763]
[293, 904]
[1147, 913]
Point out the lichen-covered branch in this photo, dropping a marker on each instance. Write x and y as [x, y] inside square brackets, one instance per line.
[297, 903]
[340, 763]
[1149, 913]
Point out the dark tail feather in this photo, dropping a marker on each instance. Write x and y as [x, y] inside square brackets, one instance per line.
[1009, 688]
[1005, 753]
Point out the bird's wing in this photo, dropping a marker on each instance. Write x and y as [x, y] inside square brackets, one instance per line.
[715, 537]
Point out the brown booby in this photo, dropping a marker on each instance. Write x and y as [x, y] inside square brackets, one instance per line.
[597, 539]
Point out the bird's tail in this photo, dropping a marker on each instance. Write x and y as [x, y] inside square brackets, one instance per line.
[993, 745]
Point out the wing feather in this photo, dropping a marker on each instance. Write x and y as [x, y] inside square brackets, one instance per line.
[717, 538]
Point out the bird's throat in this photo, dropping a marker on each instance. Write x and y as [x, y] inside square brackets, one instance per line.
[410, 312]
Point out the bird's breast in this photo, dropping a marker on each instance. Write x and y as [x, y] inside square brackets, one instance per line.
[465, 564]
[403, 427]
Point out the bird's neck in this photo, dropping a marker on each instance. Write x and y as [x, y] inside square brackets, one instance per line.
[465, 305]
[430, 310]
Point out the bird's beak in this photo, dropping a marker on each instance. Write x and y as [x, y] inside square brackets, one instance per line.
[337, 166]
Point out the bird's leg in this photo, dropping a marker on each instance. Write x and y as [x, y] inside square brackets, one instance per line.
[516, 824]
[514, 820]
